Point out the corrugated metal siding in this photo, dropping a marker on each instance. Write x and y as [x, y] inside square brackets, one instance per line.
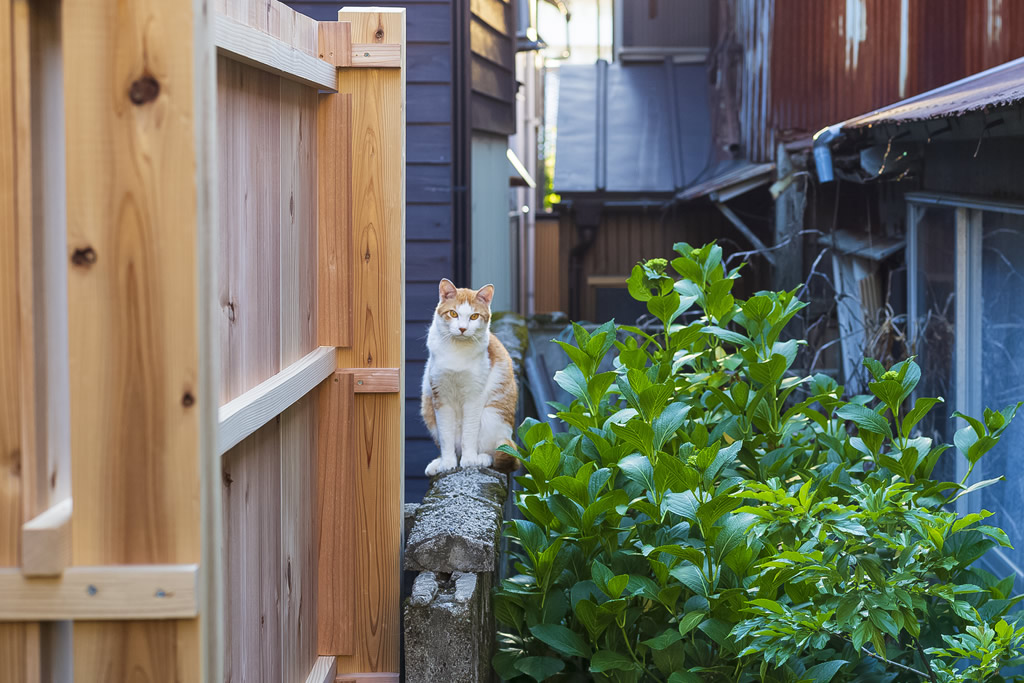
[834, 59]
[428, 178]
[753, 31]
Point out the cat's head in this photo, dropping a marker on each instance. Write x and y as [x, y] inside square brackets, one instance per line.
[463, 314]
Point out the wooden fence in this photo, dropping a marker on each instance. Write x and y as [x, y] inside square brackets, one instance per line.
[201, 341]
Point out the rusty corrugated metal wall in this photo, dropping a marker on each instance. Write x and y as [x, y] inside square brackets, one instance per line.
[810, 63]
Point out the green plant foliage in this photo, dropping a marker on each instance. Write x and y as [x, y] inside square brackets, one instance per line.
[709, 516]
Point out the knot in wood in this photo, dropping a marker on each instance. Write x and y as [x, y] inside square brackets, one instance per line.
[379, 35]
[188, 400]
[144, 90]
[83, 256]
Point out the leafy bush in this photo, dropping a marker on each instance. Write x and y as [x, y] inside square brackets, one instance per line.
[708, 516]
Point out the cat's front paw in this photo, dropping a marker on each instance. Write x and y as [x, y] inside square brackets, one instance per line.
[476, 460]
[440, 466]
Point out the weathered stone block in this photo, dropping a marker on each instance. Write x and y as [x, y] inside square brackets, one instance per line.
[458, 526]
[449, 632]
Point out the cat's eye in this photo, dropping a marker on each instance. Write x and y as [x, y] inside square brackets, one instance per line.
[453, 314]
[474, 316]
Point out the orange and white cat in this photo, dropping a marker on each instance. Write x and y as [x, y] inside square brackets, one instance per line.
[469, 389]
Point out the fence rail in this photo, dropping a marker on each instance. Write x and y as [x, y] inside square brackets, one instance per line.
[183, 197]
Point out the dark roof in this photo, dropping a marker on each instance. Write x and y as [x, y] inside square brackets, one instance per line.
[729, 179]
[999, 86]
[631, 130]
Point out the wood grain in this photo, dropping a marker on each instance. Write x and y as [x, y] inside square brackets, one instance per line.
[245, 414]
[378, 226]
[16, 640]
[132, 228]
[323, 671]
[375, 380]
[377, 55]
[108, 592]
[46, 541]
[337, 530]
[334, 220]
[298, 242]
[335, 42]
[263, 51]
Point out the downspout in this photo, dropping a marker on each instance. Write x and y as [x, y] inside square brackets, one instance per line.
[822, 146]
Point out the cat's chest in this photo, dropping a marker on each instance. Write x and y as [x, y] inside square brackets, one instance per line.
[458, 374]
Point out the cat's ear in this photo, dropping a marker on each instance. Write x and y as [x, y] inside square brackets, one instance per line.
[485, 294]
[446, 290]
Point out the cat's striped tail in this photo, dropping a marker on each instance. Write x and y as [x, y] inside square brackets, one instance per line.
[503, 462]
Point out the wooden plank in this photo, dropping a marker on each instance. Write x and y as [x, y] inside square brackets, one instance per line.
[378, 153]
[367, 678]
[492, 80]
[263, 51]
[377, 55]
[334, 202]
[131, 125]
[488, 43]
[117, 592]
[323, 671]
[494, 13]
[46, 541]
[335, 42]
[375, 380]
[244, 415]
[267, 528]
[18, 642]
[337, 530]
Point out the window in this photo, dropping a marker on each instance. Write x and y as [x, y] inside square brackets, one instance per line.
[967, 322]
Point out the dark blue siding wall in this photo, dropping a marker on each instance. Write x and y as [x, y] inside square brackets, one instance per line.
[428, 194]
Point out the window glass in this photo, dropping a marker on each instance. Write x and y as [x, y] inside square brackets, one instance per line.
[1002, 368]
[936, 322]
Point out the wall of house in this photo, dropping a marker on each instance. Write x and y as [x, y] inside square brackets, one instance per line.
[492, 66]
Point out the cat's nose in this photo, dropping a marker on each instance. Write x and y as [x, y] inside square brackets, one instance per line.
[462, 330]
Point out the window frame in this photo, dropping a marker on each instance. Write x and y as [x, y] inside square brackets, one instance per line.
[967, 286]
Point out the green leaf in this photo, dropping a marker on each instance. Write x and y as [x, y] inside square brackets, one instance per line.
[530, 536]
[561, 639]
[539, 668]
[865, 419]
[617, 584]
[689, 622]
[665, 307]
[572, 380]
[724, 457]
[921, 408]
[733, 533]
[684, 677]
[663, 639]
[683, 504]
[770, 371]
[692, 578]
[638, 468]
[606, 660]
[666, 424]
[736, 338]
[976, 486]
[638, 289]
[824, 672]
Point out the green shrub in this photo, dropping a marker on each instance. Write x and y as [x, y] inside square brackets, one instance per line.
[707, 516]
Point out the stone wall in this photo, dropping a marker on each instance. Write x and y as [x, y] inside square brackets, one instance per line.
[454, 542]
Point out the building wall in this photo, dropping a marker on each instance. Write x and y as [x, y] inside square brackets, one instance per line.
[806, 64]
[492, 66]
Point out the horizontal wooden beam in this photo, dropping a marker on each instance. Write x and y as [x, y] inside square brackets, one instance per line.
[375, 380]
[263, 51]
[324, 670]
[242, 416]
[122, 592]
[388, 55]
[377, 677]
[46, 541]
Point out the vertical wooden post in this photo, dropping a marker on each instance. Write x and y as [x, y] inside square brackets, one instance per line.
[19, 642]
[378, 282]
[139, 106]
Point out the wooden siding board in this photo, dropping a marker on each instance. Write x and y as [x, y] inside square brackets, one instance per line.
[429, 21]
[429, 103]
[491, 115]
[493, 80]
[429, 221]
[429, 262]
[492, 45]
[495, 13]
[429, 182]
[430, 63]
[429, 144]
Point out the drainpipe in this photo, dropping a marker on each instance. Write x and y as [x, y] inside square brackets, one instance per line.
[823, 140]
